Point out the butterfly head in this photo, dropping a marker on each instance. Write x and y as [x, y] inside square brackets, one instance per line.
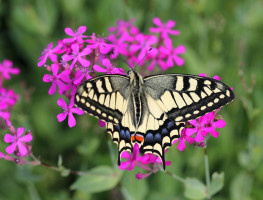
[135, 78]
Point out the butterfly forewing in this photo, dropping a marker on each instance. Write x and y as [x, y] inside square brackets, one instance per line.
[106, 97]
[186, 97]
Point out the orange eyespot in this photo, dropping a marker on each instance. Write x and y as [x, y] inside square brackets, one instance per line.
[132, 138]
[137, 138]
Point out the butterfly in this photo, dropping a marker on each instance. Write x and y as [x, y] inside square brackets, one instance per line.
[149, 111]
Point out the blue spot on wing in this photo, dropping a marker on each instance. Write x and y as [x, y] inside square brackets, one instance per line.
[127, 135]
[164, 131]
[170, 125]
[148, 138]
[122, 134]
[158, 138]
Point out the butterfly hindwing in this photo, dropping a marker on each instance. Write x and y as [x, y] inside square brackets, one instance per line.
[121, 136]
[105, 97]
[186, 97]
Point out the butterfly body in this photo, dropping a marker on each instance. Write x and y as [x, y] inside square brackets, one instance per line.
[150, 111]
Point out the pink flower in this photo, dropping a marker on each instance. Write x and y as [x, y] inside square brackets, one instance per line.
[77, 36]
[204, 125]
[172, 53]
[68, 111]
[149, 162]
[2, 155]
[122, 27]
[131, 159]
[8, 96]
[164, 29]
[156, 163]
[102, 123]
[56, 79]
[4, 114]
[183, 138]
[77, 56]
[143, 45]
[215, 77]
[17, 141]
[81, 73]
[49, 53]
[98, 42]
[156, 58]
[110, 69]
[6, 69]
[120, 44]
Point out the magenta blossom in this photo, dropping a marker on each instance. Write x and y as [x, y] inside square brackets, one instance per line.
[131, 159]
[6, 69]
[68, 111]
[77, 36]
[98, 42]
[122, 27]
[81, 73]
[18, 142]
[215, 77]
[49, 53]
[172, 53]
[78, 56]
[156, 165]
[102, 123]
[2, 155]
[143, 45]
[4, 114]
[8, 96]
[204, 125]
[56, 79]
[183, 138]
[110, 69]
[164, 29]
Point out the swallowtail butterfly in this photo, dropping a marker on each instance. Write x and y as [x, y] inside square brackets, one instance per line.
[150, 111]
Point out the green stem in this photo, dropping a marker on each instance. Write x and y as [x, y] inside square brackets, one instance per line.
[178, 178]
[207, 174]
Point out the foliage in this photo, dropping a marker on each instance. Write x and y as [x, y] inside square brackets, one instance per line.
[221, 38]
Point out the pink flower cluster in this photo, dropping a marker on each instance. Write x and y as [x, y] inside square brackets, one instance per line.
[19, 145]
[77, 58]
[74, 60]
[8, 98]
[148, 162]
[134, 45]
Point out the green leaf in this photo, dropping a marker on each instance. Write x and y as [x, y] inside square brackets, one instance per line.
[132, 188]
[217, 183]
[241, 186]
[195, 189]
[97, 180]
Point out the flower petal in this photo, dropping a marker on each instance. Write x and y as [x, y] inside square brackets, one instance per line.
[21, 148]
[11, 148]
[62, 116]
[20, 131]
[71, 120]
[8, 138]
[26, 138]
[61, 102]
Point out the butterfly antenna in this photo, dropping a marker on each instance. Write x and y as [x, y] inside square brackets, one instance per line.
[144, 56]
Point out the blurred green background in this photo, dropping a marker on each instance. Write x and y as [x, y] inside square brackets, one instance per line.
[221, 37]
